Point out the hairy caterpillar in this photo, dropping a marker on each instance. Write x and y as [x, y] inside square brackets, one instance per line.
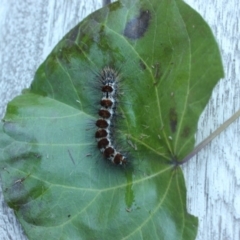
[107, 115]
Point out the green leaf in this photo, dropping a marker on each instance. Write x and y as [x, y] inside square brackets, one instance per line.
[55, 178]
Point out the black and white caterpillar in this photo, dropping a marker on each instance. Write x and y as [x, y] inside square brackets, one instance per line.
[108, 79]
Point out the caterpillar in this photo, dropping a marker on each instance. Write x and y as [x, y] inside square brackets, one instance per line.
[108, 79]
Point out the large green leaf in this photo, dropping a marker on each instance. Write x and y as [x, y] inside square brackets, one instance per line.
[55, 178]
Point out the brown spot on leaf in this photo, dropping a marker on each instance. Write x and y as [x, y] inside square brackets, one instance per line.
[173, 119]
[142, 65]
[136, 27]
[186, 132]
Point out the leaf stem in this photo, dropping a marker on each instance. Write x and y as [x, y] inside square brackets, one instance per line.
[217, 132]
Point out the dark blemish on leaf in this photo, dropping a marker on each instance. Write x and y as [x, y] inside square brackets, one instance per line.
[173, 119]
[18, 193]
[142, 65]
[24, 156]
[73, 34]
[157, 73]
[186, 132]
[70, 155]
[69, 215]
[136, 27]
